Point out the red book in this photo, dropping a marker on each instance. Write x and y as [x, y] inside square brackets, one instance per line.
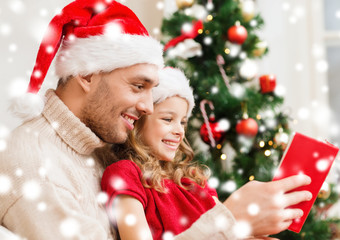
[311, 157]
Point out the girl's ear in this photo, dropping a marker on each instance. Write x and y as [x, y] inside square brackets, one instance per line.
[85, 82]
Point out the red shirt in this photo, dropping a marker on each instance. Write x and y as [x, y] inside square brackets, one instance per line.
[174, 211]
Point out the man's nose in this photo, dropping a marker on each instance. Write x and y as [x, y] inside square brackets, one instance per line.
[145, 105]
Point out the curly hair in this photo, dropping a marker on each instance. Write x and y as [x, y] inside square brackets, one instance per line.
[155, 171]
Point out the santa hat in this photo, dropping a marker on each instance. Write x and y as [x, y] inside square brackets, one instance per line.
[173, 82]
[95, 36]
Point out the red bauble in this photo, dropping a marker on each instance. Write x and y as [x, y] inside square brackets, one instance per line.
[267, 83]
[237, 34]
[217, 131]
[247, 127]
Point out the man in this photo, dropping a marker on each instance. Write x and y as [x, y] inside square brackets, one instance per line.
[107, 65]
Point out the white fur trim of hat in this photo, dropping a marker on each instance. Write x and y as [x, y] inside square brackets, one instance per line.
[105, 53]
[173, 82]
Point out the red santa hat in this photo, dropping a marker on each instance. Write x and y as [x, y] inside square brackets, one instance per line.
[92, 36]
[173, 82]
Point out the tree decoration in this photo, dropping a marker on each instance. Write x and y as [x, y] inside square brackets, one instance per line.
[267, 83]
[248, 9]
[325, 191]
[232, 50]
[260, 48]
[281, 138]
[247, 126]
[197, 11]
[194, 31]
[212, 132]
[220, 62]
[210, 5]
[184, 3]
[248, 69]
[237, 33]
[186, 49]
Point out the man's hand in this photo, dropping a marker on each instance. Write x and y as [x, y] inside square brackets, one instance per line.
[264, 205]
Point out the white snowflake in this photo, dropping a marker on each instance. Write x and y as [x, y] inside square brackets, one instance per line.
[102, 198]
[322, 165]
[229, 186]
[5, 184]
[3, 145]
[167, 236]
[130, 219]
[41, 206]
[242, 229]
[17, 6]
[69, 228]
[213, 182]
[253, 209]
[31, 190]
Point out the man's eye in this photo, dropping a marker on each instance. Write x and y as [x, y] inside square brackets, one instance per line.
[139, 87]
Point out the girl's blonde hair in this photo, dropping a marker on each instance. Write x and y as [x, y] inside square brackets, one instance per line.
[154, 171]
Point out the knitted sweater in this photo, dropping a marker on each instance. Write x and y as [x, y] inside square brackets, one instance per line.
[52, 183]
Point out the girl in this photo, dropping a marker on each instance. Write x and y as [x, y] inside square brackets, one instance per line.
[158, 191]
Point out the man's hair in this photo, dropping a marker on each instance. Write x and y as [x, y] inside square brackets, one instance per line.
[63, 81]
[154, 171]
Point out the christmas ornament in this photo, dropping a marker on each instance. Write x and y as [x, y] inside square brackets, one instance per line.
[212, 132]
[248, 9]
[187, 49]
[281, 139]
[247, 127]
[232, 50]
[267, 83]
[237, 33]
[184, 3]
[218, 130]
[197, 11]
[197, 27]
[220, 62]
[325, 191]
[209, 5]
[260, 48]
[248, 69]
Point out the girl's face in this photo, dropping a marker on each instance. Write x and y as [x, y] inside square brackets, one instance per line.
[163, 130]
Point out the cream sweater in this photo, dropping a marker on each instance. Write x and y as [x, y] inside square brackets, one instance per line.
[52, 182]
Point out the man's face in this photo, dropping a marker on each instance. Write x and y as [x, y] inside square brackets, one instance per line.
[118, 100]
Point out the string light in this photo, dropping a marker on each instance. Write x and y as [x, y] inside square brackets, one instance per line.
[209, 17]
[223, 156]
[261, 144]
[270, 142]
[258, 117]
[227, 51]
[267, 153]
[219, 146]
[251, 178]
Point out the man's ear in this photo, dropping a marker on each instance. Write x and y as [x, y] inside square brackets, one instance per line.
[85, 82]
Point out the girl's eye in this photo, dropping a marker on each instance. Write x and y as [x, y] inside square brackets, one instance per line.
[167, 119]
[184, 123]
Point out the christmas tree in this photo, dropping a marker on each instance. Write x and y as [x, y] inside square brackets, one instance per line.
[239, 115]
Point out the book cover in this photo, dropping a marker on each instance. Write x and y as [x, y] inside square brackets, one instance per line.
[305, 155]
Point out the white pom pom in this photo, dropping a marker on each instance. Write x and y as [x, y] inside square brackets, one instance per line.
[27, 106]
